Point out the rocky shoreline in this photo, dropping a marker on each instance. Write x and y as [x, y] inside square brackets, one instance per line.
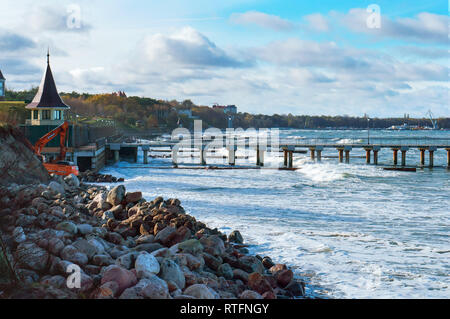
[124, 247]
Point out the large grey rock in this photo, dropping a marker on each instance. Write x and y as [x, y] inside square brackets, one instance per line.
[56, 187]
[70, 253]
[154, 288]
[116, 195]
[146, 265]
[199, 291]
[236, 237]
[72, 180]
[170, 271]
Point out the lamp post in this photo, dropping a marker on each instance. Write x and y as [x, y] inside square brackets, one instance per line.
[368, 131]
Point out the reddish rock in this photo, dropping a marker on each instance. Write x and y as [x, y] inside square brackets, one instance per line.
[284, 277]
[123, 277]
[183, 233]
[250, 294]
[133, 197]
[277, 267]
[269, 295]
[258, 283]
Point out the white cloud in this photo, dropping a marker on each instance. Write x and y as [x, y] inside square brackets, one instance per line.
[425, 27]
[56, 19]
[317, 22]
[263, 20]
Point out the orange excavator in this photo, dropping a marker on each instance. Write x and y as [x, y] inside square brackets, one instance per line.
[59, 166]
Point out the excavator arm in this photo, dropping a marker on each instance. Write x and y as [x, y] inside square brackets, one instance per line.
[44, 140]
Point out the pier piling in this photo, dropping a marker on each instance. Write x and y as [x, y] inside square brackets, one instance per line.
[368, 150]
[395, 150]
[319, 150]
[448, 157]
[404, 150]
[432, 149]
[341, 155]
[422, 156]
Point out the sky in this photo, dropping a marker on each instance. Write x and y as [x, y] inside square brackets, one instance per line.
[300, 57]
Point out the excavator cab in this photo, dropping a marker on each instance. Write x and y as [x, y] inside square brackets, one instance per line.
[59, 166]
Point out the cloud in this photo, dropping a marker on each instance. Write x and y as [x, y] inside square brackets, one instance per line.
[17, 67]
[424, 27]
[263, 20]
[317, 22]
[58, 19]
[187, 48]
[10, 41]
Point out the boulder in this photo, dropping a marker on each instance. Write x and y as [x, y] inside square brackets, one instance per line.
[284, 277]
[71, 253]
[235, 237]
[19, 235]
[72, 180]
[165, 235]
[213, 245]
[199, 291]
[171, 271]
[251, 264]
[116, 195]
[225, 271]
[123, 277]
[191, 246]
[211, 261]
[250, 294]
[55, 245]
[68, 227]
[146, 265]
[127, 260]
[31, 256]
[86, 247]
[258, 283]
[154, 288]
[56, 187]
[85, 229]
[133, 197]
[102, 260]
[241, 275]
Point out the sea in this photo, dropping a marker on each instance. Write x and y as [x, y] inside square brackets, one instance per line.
[348, 230]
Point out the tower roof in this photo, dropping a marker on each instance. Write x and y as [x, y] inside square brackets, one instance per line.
[47, 95]
[1, 76]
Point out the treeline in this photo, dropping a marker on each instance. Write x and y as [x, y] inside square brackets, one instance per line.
[146, 113]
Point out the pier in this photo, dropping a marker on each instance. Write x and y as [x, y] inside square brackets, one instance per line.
[287, 148]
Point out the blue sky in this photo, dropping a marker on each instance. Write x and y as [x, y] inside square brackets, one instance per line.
[299, 57]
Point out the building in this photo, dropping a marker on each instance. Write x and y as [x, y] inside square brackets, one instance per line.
[229, 109]
[47, 107]
[85, 144]
[2, 86]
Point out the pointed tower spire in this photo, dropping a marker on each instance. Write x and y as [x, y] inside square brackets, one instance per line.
[47, 95]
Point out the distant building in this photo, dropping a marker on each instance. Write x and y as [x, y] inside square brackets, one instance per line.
[229, 109]
[47, 107]
[120, 94]
[2, 86]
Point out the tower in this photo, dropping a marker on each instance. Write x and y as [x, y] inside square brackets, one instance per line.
[2, 86]
[47, 107]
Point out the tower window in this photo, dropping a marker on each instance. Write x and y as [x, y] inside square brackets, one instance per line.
[46, 114]
[35, 114]
[57, 115]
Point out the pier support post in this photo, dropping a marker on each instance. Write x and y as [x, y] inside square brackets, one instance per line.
[285, 157]
[448, 157]
[260, 149]
[145, 149]
[341, 155]
[404, 150]
[313, 153]
[422, 156]
[395, 150]
[319, 150]
[145, 157]
[174, 152]
[116, 156]
[368, 155]
[347, 156]
[202, 156]
[432, 149]
[232, 154]
[376, 149]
